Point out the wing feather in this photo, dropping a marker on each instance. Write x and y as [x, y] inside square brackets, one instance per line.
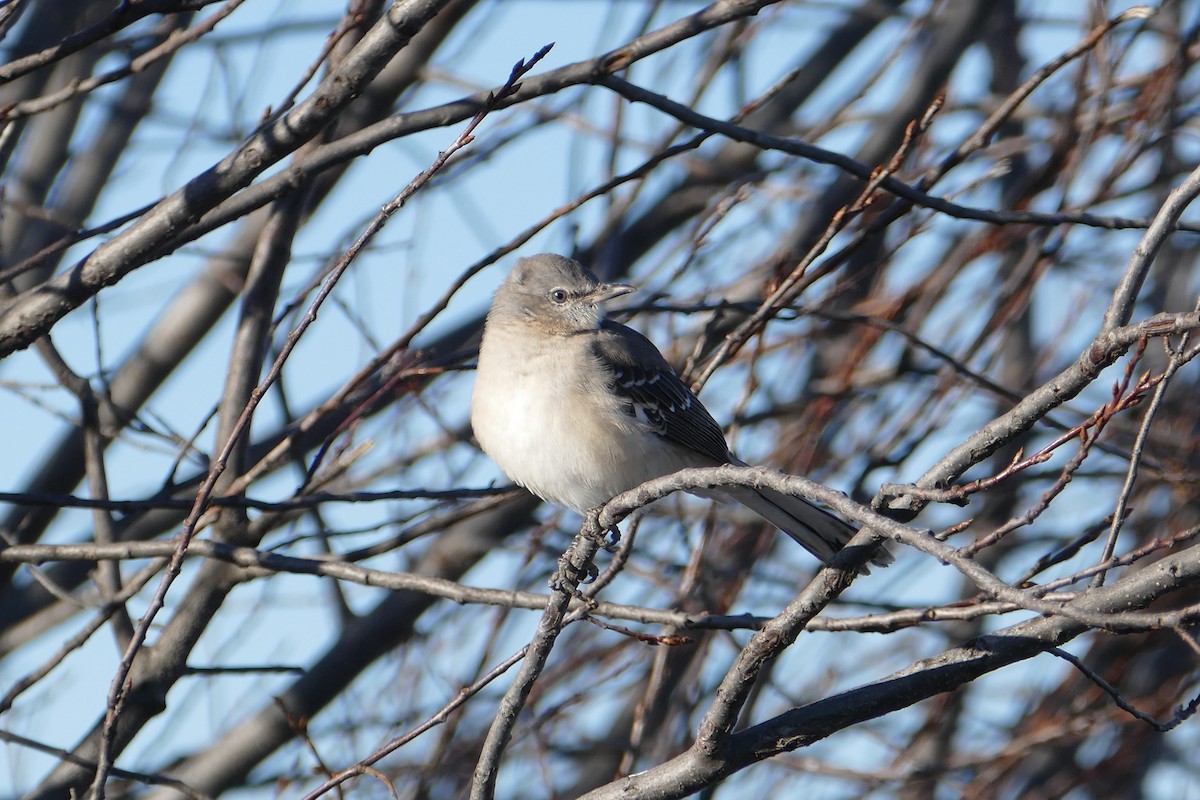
[654, 394]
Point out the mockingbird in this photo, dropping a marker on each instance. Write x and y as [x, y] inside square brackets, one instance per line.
[577, 408]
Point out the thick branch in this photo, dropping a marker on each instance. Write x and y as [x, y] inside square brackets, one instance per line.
[694, 770]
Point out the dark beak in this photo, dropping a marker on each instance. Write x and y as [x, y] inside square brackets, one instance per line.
[609, 291]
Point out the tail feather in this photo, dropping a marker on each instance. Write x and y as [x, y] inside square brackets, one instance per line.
[816, 530]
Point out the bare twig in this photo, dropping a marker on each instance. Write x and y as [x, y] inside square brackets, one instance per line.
[1177, 360]
[171, 44]
[849, 165]
[876, 528]
[1103, 351]
[1181, 714]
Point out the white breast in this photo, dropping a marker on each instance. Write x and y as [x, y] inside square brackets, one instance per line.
[546, 419]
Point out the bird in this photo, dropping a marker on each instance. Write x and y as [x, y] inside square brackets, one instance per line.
[578, 408]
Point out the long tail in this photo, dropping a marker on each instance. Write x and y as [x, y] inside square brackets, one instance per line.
[815, 529]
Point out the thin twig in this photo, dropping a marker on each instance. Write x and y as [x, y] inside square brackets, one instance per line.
[1181, 714]
[175, 40]
[876, 528]
[1176, 361]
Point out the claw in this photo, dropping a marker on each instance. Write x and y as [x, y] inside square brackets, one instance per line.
[612, 540]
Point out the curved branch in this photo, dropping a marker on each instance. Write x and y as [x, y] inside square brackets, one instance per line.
[800, 727]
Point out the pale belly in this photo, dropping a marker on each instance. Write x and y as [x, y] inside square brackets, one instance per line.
[564, 440]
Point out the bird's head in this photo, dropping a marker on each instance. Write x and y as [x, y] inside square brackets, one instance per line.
[556, 292]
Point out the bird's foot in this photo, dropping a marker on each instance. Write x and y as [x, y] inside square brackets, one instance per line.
[568, 576]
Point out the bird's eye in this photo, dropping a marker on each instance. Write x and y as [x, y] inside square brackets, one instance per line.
[558, 296]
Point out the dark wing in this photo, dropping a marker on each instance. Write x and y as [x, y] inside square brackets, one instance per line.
[653, 392]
